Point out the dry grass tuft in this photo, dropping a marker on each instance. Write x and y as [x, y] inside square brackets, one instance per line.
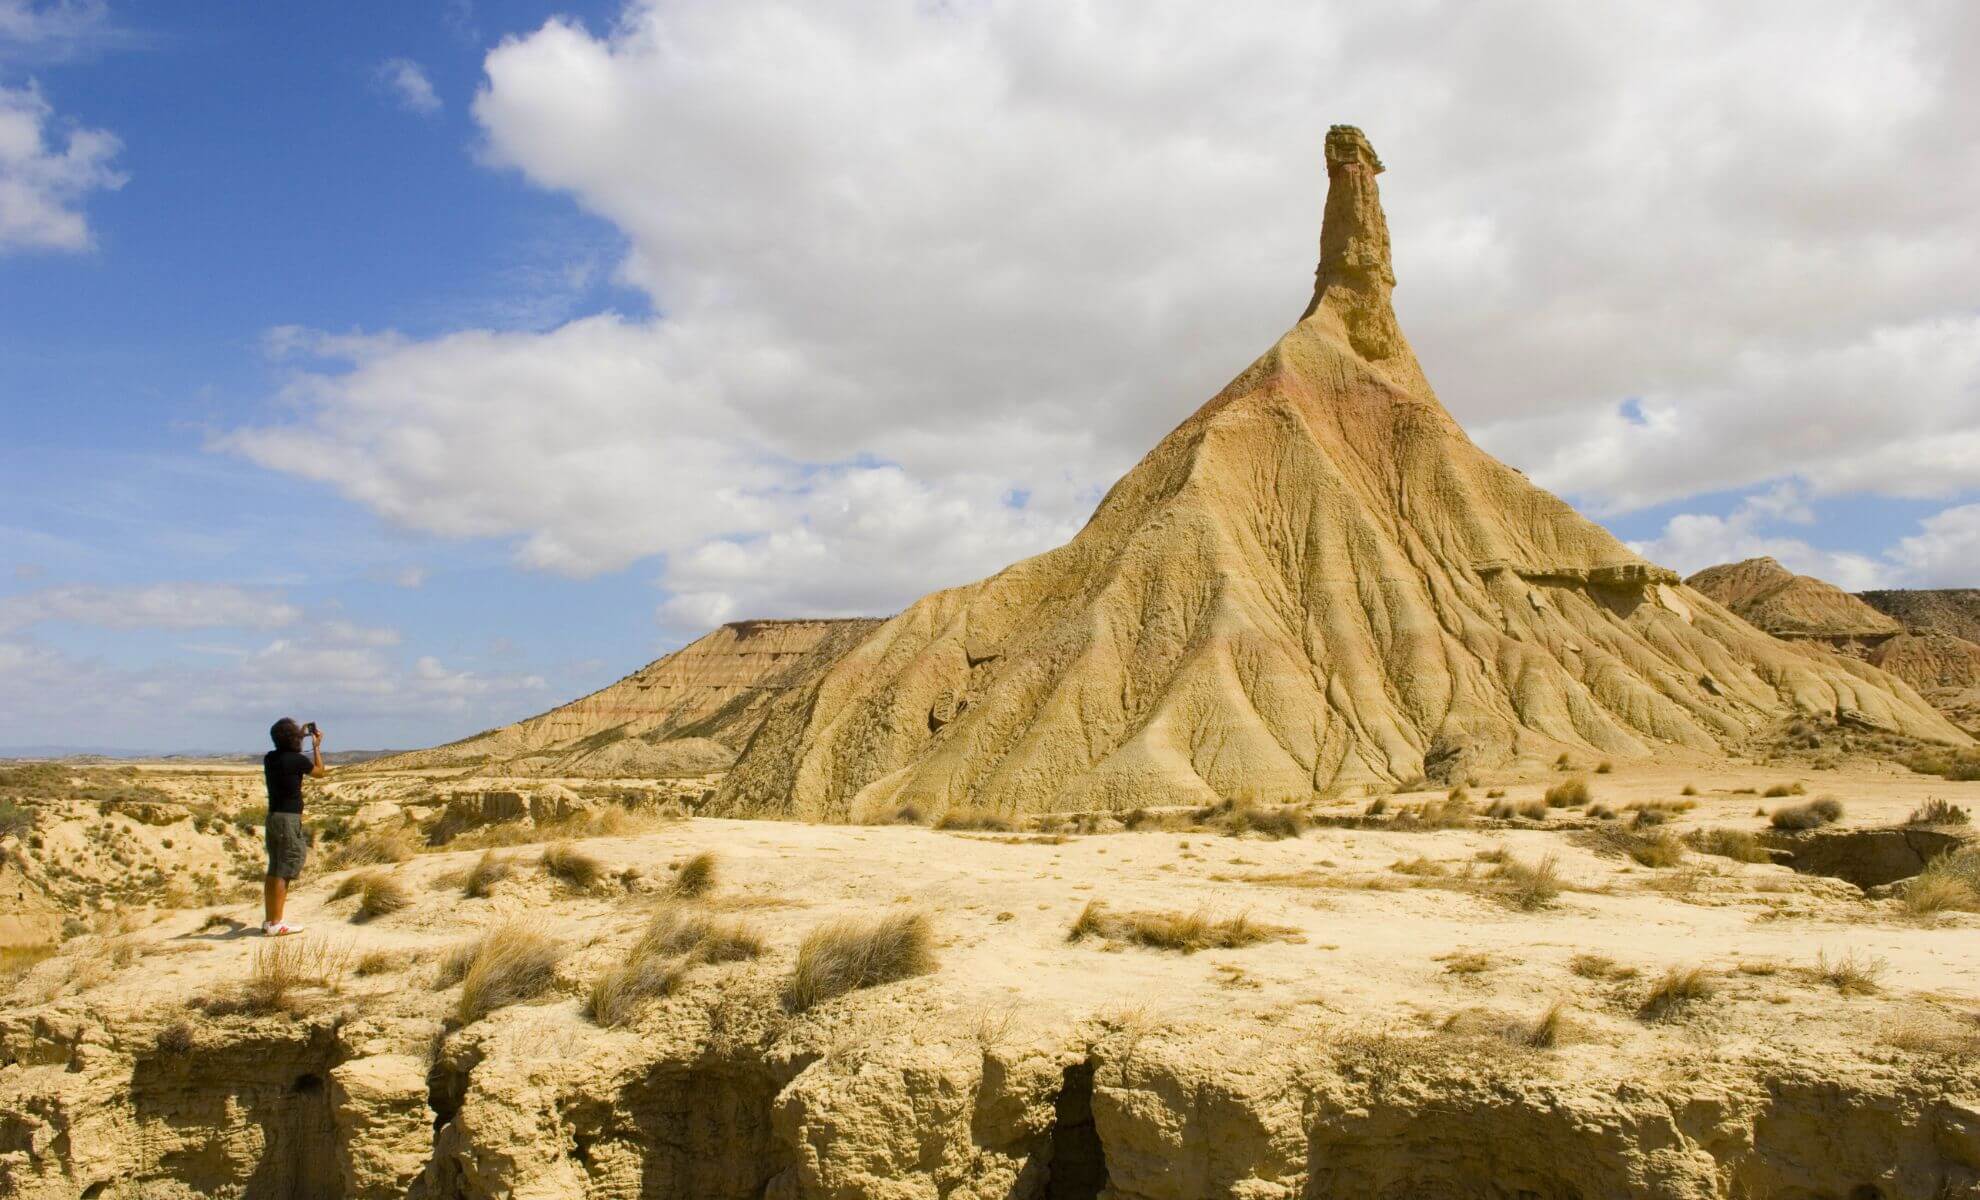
[177, 1038]
[1679, 988]
[1546, 1032]
[1468, 963]
[614, 998]
[284, 969]
[696, 876]
[1849, 974]
[976, 818]
[381, 893]
[1441, 813]
[1646, 847]
[1938, 812]
[1420, 865]
[1949, 883]
[1376, 807]
[1781, 790]
[1185, 933]
[1689, 789]
[488, 870]
[565, 862]
[1527, 886]
[1599, 966]
[1532, 810]
[1236, 818]
[698, 938]
[845, 955]
[382, 962]
[1736, 844]
[662, 957]
[507, 964]
[1569, 793]
[1813, 814]
[374, 847]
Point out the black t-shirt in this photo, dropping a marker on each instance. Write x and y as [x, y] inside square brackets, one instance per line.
[284, 770]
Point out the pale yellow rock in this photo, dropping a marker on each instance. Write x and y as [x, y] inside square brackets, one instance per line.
[384, 1129]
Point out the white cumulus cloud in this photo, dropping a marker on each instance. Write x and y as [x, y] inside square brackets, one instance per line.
[45, 172]
[927, 277]
[408, 83]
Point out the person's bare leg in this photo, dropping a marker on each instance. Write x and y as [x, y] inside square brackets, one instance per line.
[274, 895]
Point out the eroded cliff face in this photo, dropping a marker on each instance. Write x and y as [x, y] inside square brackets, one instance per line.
[1114, 1109]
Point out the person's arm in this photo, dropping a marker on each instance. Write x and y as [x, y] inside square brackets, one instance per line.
[316, 770]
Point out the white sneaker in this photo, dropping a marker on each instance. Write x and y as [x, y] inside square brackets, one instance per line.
[279, 928]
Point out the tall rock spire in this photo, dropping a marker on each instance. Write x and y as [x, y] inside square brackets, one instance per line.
[1355, 276]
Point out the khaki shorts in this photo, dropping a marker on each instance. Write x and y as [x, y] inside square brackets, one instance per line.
[287, 849]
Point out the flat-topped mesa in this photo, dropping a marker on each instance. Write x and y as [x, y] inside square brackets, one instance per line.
[1355, 276]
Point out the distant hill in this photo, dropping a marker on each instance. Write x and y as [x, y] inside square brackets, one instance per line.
[686, 714]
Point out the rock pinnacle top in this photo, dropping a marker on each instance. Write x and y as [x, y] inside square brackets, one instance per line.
[1355, 276]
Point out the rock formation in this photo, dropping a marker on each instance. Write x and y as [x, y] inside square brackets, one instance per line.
[688, 713]
[1954, 611]
[1917, 636]
[1316, 580]
[1792, 606]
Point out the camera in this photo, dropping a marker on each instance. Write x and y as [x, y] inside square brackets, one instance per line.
[309, 730]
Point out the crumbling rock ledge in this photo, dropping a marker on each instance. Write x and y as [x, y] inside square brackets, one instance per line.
[716, 1101]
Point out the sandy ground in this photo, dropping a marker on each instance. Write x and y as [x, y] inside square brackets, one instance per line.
[1365, 943]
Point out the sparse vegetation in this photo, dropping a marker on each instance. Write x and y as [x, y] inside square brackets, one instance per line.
[660, 960]
[568, 864]
[284, 969]
[1736, 844]
[176, 1038]
[1441, 813]
[1528, 886]
[1657, 848]
[1780, 790]
[1239, 817]
[1569, 793]
[509, 963]
[380, 962]
[976, 818]
[1420, 865]
[1679, 988]
[696, 876]
[1936, 811]
[851, 953]
[1599, 966]
[614, 998]
[1183, 932]
[16, 820]
[698, 938]
[1947, 763]
[1949, 883]
[488, 870]
[1376, 807]
[1812, 814]
[1532, 810]
[373, 847]
[381, 893]
[1850, 974]
[1468, 963]
[1688, 790]
[1604, 767]
[1545, 1033]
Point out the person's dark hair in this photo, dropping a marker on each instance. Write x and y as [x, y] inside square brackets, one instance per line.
[286, 734]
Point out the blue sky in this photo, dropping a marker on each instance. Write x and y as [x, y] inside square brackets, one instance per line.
[416, 367]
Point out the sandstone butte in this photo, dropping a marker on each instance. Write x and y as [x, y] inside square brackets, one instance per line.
[1316, 581]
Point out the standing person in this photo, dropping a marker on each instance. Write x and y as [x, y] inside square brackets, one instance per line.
[284, 768]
